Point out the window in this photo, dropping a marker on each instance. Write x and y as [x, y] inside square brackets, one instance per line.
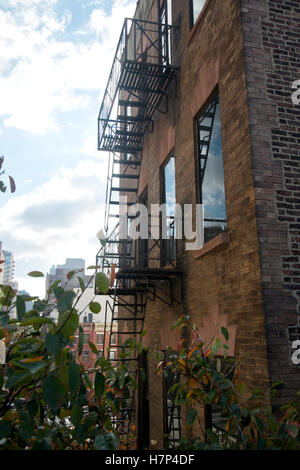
[113, 339]
[210, 178]
[100, 338]
[86, 339]
[169, 199]
[196, 6]
[165, 18]
[90, 318]
[112, 354]
[85, 356]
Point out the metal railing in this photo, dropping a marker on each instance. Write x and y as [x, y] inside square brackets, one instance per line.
[141, 42]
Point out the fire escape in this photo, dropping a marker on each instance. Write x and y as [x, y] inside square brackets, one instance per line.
[137, 87]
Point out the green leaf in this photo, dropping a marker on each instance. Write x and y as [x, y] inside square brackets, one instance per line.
[58, 292]
[54, 285]
[53, 392]
[18, 378]
[80, 433]
[37, 321]
[99, 384]
[65, 301]
[5, 428]
[74, 377]
[12, 184]
[80, 340]
[191, 417]
[68, 323]
[216, 346]
[106, 441]
[90, 420]
[33, 367]
[26, 431]
[64, 376]
[81, 283]
[95, 307]
[93, 348]
[77, 414]
[55, 342]
[70, 275]
[225, 333]
[102, 283]
[36, 274]
[21, 308]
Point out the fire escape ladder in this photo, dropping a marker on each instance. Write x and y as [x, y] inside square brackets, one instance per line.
[141, 73]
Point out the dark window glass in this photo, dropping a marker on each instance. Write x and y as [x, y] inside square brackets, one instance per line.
[86, 339]
[100, 338]
[211, 171]
[86, 356]
[196, 8]
[113, 339]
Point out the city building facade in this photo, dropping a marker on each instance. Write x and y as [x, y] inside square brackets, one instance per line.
[206, 116]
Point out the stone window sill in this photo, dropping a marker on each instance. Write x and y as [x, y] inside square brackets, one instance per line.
[219, 241]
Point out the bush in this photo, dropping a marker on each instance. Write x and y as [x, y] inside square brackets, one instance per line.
[47, 400]
[204, 381]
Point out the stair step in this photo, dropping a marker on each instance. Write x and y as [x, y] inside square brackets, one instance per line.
[133, 104]
[205, 128]
[116, 216]
[127, 149]
[130, 133]
[125, 190]
[131, 118]
[125, 175]
[128, 162]
[117, 203]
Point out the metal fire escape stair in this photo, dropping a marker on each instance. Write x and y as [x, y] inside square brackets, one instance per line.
[141, 73]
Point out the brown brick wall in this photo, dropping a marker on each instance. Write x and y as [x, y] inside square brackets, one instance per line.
[271, 31]
[225, 285]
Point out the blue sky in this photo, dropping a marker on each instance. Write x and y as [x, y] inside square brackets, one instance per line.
[55, 57]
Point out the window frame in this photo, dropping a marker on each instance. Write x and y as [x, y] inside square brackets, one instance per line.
[193, 20]
[165, 261]
[198, 176]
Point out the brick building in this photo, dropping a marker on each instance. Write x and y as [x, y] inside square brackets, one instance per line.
[205, 115]
[99, 336]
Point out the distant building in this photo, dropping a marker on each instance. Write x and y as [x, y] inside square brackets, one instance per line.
[95, 333]
[29, 303]
[9, 266]
[2, 260]
[61, 271]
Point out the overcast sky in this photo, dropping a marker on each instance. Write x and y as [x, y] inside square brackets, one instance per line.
[55, 58]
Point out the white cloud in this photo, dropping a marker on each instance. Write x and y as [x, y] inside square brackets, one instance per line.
[60, 219]
[42, 71]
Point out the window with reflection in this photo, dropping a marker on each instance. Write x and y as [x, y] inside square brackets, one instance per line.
[196, 6]
[169, 199]
[210, 168]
